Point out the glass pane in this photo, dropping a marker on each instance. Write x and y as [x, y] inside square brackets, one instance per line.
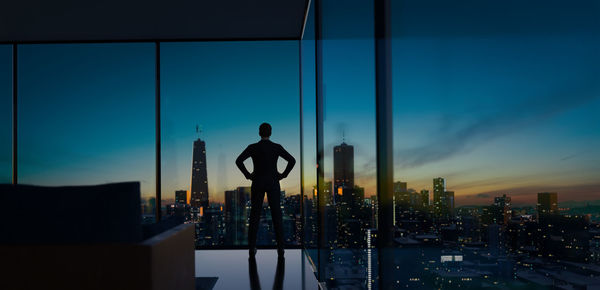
[214, 97]
[309, 142]
[6, 113]
[349, 144]
[497, 143]
[86, 115]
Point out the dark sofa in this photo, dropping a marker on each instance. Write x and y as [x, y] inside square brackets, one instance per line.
[89, 237]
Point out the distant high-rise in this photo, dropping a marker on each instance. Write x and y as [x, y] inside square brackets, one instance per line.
[547, 203]
[199, 196]
[236, 215]
[502, 212]
[425, 198]
[401, 199]
[439, 188]
[401, 196]
[328, 195]
[181, 196]
[347, 197]
[448, 202]
[343, 166]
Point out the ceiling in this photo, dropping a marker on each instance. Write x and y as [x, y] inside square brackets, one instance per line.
[136, 20]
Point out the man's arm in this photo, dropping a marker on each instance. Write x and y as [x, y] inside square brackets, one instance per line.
[240, 162]
[290, 161]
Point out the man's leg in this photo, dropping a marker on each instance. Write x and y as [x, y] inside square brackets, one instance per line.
[257, 197]
[274, 197]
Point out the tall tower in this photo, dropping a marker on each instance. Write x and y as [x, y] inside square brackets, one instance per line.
[448, 202]
[425, 199]
[439, 189]
[343, 166]
[502, 212]
[400, 200]
[199, 196]
[347, 199]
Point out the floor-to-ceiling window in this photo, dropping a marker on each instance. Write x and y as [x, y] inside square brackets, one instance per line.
[214, 96]
[6, 113]
[347, 100]
[496, 143]
[85, 115]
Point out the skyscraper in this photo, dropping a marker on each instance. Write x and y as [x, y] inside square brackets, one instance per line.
[236, 215]
[448, 202]
[439, 188]
[181, 196]
[502, 212]
[343, 167]
[401, 196]
[401, 199]
[199, 196]
[348, 207]
[547, 203]
[425, 198]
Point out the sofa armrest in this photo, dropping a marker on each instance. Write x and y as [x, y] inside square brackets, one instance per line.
[165, 261]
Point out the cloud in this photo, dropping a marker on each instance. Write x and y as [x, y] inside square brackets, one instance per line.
[527, 195]
[458, 139]
[568, 157]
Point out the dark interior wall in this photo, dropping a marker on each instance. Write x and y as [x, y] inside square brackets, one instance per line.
[75, 20]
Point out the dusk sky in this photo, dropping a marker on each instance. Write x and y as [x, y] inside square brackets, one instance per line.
[86, 114]
[498, 98]
[228, 89]
[495, 109]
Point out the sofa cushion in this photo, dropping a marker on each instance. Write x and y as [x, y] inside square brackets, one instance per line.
[108, 213]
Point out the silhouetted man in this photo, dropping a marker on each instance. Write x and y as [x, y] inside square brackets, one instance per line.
[265, 178]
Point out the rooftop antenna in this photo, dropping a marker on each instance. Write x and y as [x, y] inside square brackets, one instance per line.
[343, 136]
[198, 130]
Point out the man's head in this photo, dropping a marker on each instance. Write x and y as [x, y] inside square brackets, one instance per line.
[264, 130]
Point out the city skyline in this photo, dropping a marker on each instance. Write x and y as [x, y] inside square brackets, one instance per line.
[485, 197]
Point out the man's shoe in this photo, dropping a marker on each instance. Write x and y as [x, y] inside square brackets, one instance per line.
[252, 252]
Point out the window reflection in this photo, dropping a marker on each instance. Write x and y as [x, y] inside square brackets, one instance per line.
[349, 188]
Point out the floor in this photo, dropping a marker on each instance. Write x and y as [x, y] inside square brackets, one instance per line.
[235, 271]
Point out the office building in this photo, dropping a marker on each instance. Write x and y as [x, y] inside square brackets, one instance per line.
[502, 210]
[425, 199]
[439, 188]
[547, 203]
[199, 195]
[343, 172]
[181, 196]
